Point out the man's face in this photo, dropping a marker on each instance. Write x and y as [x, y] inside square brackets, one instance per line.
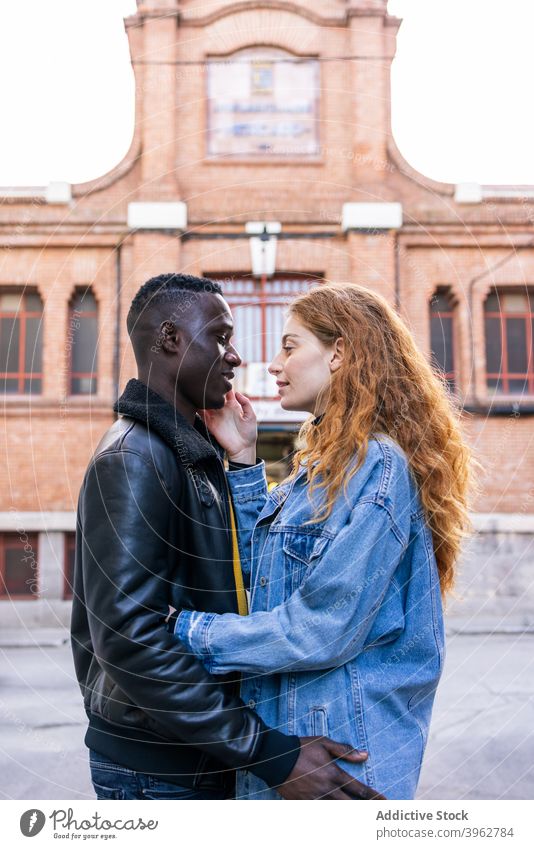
[206, 359]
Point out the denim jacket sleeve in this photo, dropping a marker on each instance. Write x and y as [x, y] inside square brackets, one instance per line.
[325, 622]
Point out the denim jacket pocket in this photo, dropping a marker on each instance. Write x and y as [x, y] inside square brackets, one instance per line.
[300, 549]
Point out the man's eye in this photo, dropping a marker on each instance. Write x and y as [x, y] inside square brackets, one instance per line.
[223, 340]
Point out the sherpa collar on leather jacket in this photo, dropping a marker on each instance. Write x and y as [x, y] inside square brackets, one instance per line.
[191, 443]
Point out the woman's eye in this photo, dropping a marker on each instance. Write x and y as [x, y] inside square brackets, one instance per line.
[286, 348]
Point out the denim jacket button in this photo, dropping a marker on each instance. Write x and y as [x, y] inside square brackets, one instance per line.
[263, 581]
[252, 704]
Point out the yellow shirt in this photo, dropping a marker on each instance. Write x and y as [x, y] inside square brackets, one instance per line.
[242, 603]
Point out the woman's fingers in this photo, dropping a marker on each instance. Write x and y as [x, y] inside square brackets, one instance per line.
[248, 410]
[232, 403]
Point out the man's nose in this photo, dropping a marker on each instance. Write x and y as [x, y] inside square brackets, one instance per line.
[231, 356]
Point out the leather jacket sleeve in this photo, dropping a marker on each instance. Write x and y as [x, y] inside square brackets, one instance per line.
[125, 512]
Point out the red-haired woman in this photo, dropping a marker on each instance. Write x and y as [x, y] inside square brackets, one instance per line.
[349, 558]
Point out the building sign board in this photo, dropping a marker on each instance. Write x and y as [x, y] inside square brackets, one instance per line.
[263, 102]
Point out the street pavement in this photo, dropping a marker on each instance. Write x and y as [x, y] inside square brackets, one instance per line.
[481, 744]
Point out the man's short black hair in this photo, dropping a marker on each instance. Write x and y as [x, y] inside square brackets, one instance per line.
[165, 288]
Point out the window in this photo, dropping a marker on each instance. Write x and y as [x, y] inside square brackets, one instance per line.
[442, 336]
[508, 324]
[263, 102]
[68, 570]
[82, 337]
[21, 320]
[18, 566]
[258, 307]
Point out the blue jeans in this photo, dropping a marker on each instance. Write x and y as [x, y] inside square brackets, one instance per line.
[113, 781]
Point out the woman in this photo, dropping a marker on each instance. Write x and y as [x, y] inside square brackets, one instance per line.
[349, 558]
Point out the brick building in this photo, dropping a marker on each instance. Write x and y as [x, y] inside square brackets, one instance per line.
[256, 115]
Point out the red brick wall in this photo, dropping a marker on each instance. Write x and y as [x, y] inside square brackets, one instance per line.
[47, 441]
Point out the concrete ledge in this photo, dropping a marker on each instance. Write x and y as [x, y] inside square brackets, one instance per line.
[484, 629]
[28, 522]
[23, 638]
[498, 523]
[468, 193]
[34, 614]
[160, 215]
[371, 216]
[58, 192]
[55, 192]
[12, 520]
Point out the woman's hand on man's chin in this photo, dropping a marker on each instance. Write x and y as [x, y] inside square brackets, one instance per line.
[234, 427]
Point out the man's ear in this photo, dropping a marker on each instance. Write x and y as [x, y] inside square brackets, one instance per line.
[169, 336]
[338, 354]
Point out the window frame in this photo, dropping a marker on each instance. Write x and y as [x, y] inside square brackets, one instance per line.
[452, 377]
[504, 376]
[69, 543]
[84, 314]
[22, 315]
[264, 298]
[33, 540]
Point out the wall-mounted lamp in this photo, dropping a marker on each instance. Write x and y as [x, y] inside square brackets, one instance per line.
[263, 246]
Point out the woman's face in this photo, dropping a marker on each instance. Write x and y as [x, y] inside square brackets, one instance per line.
[303, 368]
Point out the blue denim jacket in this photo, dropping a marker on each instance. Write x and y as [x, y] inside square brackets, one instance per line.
[345, 636]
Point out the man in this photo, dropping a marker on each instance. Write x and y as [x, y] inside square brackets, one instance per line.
[153, 532]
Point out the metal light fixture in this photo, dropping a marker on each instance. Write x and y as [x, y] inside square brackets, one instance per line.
[263, 246]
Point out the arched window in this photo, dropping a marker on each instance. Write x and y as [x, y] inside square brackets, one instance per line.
[508, 324]
[21, 318]
[263, 102]
[82, 339]
[442, 346]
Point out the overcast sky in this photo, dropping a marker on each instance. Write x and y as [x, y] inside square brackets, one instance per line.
[461, 89]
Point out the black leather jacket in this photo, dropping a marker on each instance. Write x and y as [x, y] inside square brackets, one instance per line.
[153, 530]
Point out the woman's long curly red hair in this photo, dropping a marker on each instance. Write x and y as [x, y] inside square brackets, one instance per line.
[384, 384]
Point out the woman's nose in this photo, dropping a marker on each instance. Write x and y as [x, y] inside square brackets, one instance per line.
[274, 368]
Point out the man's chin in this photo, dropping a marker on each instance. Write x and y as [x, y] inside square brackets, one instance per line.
[214, 403]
